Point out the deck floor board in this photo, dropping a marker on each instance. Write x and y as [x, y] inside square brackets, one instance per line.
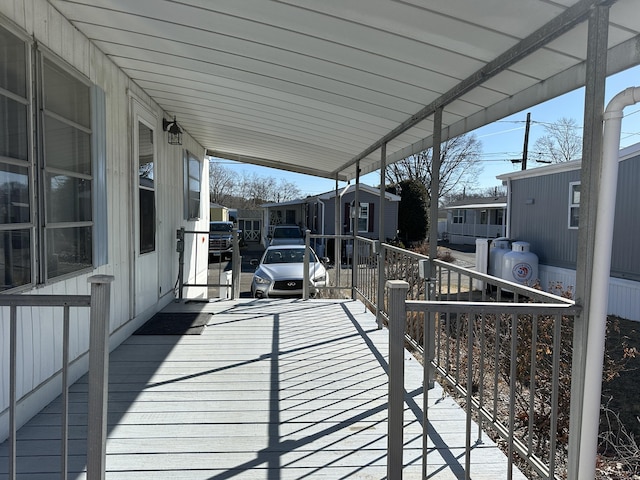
[270, 390]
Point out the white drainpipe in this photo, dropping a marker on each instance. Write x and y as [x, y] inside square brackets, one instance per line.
[599, 295]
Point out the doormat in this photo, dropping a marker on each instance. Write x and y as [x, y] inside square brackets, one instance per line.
[175, 324]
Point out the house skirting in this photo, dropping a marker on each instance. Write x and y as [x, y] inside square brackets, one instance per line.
[624, 295]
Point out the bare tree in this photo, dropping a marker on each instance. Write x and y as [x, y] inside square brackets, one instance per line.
[561, 142]
[460, 157]
[287, 191]
[221, 182]
[248, 190]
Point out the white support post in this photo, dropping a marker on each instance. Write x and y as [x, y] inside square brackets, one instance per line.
[305, 263]
[236, 262]
[98, 376]
[397, 319]
[381, 236]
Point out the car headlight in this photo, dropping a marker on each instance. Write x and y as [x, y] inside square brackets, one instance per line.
[321, 278]
[259, 279]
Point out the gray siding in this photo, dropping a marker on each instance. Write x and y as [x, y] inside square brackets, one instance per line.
[390, 214]
[544, 223]
[539, 215]
[625, 261]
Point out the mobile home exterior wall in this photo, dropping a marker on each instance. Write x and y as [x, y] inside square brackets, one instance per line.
[540, 206]
[44, 31]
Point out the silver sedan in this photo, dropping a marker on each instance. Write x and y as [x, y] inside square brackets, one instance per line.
[281, 270]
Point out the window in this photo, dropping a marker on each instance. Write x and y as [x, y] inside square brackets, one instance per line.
[574, 204]
[459, 216]
[146, 190]
[16, 171]
[365, 217]
[55, 233]
[65, 126]
[192, 181]
[290, 217]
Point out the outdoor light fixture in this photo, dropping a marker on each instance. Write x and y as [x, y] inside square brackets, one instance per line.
[175, 132]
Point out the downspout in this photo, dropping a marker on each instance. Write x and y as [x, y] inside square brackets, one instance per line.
[507, 220]
[599, 295]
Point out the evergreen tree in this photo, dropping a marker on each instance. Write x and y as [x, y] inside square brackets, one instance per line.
[413, 211]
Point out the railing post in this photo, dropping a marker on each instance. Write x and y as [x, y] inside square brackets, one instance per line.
[381, 282]
[180, 250]
[427, 269]
[13, 400]
[397, 319]
[98, 376]
[236, 262]
[354, 262]
[305, 263]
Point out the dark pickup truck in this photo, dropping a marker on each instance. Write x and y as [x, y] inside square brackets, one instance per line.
[220, 239]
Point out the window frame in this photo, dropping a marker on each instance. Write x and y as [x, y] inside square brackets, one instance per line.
[367, 219]
[26, 276]
[147, 219]
[458, 216]
[45, 227]
[47, 176]
[573, 206]
[192, 197]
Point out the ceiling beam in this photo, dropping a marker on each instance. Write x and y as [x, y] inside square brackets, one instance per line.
[266, 162]
[572, 16]
[619, 58]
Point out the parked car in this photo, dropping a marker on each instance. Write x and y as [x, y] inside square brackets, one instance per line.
[220, 239]
[286, 235]
[280, 272]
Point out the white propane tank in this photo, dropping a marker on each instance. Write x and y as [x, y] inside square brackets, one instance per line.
[520, 265]
[499, 247]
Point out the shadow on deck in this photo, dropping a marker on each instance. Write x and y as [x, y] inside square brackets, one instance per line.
[272, 390]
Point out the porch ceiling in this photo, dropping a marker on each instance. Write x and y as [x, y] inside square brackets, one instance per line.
[312, 86]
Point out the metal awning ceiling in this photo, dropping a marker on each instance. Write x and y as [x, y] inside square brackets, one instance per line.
[311, 86]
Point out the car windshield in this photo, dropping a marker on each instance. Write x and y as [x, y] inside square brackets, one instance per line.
[220, 227]
[286, 255]
[292, 232]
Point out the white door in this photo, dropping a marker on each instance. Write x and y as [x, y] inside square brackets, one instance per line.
[144, 216]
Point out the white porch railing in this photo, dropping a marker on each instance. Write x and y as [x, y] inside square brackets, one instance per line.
[98, 302]
[495, 344]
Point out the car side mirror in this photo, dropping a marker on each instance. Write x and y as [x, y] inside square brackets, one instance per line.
[254, 262]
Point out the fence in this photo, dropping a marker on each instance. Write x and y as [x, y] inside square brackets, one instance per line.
[496, 345]
[98, 302]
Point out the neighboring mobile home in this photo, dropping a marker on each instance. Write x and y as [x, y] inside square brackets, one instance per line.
[88, 185]
[318, 213]
[474, 218]
[544, 207]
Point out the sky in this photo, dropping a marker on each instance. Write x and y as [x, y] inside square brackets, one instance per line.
[501, 141]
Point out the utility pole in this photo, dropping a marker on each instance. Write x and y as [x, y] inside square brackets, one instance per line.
[525, 150]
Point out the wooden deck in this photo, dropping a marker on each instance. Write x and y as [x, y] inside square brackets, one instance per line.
[273, 390]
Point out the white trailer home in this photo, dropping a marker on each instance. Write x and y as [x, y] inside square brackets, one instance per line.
[88, 185]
